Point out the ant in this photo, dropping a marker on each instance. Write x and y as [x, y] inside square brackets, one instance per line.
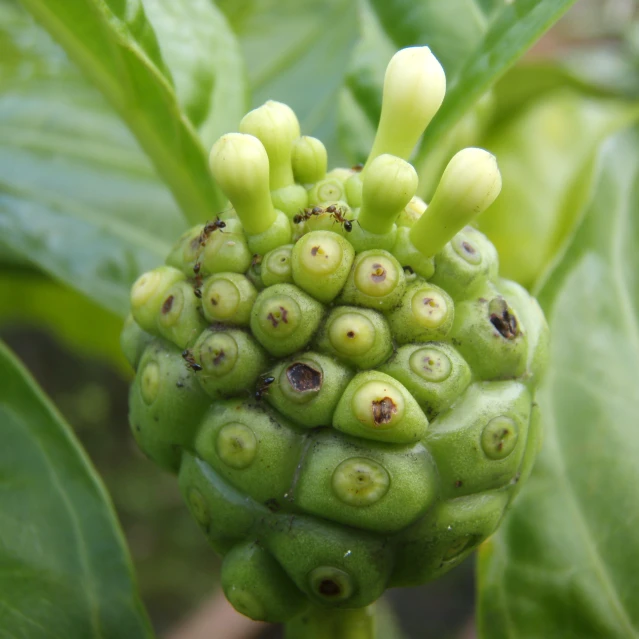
[190, 361]
[357, 168]
[265, 382]
[338, 216]
[211, 227]
[307, 213]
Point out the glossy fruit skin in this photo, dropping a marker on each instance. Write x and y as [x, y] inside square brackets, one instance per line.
[306, 499]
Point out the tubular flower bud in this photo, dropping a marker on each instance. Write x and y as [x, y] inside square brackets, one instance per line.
[389, 185]
[309, 160]
[275, 125]
[240, 166]
[414, 88]
[469, 185]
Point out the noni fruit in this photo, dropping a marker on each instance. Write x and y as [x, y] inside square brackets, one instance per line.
[335, 370]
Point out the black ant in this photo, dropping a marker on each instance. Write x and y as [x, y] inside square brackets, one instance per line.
[357, 168]
[338, 216]
[190, 361]
[257, 260]
[210, 227]
[265, 382]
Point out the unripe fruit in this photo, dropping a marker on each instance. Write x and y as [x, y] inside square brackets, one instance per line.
[335, 370]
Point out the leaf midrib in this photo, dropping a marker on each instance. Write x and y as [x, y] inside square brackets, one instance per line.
[135, 118]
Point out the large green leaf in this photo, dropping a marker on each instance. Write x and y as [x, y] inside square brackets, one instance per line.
[77, 197]
[64, 569]
[564, 563]
[475, 40]
[546, 155]
[205, 62]
[297, 52]
[27, 298]
[100, 36]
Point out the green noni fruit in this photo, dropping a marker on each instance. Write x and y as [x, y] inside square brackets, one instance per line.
[335, 370]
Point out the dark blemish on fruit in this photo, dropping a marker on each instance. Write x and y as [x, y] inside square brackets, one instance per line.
[469, 248]
[304, 378]
[379, 273]
[219, 358]
[329, 588]
[383, 410]
[502, 319]
[459, 483]
[350, 334]
[315, 250]
[168, 304]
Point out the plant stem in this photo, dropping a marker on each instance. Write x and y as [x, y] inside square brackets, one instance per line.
[331, 623]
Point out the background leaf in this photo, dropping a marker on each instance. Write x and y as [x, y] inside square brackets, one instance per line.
[563, 565]
[205, 62]
[64, 570]
[475, 40]
[297, 53]
[546, 153]
[77, 197]
[100, 41]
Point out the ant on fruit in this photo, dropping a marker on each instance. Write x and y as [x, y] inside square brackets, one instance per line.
[190, 361]
[338, 216]
[211, 227]
[263, 387]
[307, 213]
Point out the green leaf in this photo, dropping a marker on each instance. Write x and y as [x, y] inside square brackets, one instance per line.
[511, 32]
[205, 62]
[563, 564]
[297, 53]
[65, 571]
[29, 299]
[475, 40]
[100, 36]
[546, 153]
[77, 197]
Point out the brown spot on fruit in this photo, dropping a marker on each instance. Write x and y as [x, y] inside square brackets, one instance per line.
[219, 357]
[502, 319]
[315, 250]
[379, 273]
[383, 410]
[304, 378]
[168, 304]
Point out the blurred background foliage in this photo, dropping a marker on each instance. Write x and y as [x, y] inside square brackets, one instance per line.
[75, 185]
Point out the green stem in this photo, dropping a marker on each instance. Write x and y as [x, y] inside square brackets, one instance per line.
[332, 623]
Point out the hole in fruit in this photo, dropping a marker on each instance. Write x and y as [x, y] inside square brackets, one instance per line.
[168, 304]
[329, 588]
[350, 334]
[383, 410]
[219, 357]
[502, 319]
[304, 378]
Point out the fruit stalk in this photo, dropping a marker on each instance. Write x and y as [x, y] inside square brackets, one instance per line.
[326, 623]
